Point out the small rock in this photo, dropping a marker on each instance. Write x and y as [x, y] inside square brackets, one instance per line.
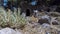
[44, 19]
[58, 32]
[35, 11]
[55, 23]
[45, 25]
[47, 33]
[41, 21]
[9, 31]
[23, 14]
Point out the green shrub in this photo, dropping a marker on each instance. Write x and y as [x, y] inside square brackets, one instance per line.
[9, 19]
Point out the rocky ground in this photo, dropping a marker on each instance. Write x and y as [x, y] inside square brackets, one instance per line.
[44, 23]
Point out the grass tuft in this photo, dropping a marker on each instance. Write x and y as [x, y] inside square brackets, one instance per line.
[9, 19]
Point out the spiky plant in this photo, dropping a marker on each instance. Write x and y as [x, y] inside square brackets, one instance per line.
[9, 19]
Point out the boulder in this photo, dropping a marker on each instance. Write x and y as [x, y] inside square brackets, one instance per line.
[9, 31]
